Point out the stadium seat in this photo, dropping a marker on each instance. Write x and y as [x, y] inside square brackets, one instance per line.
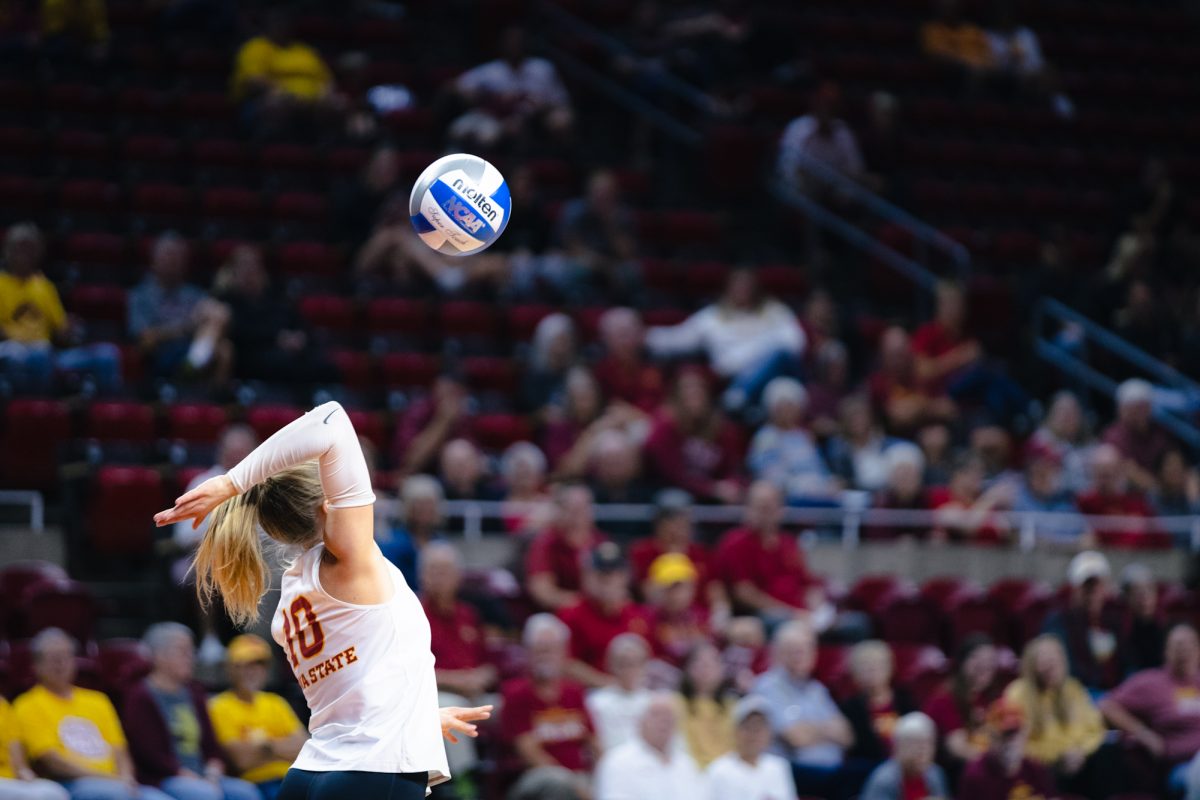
[409, 370]
[969, 612]
[163, 201]
[329, 312]
[231, 203]
[523, 320]
[468, 320]
[33, 434]
[96, 248]
[872, 592]
[26, 195]
[99, 304]
[196, 422]
[907, 618]
[121, 509]
[488, 374]
[495, 432]
[355, 368]
[266, 419]
[309, 258]
[116, 420]
[397, 315]
[372, 426]
[95, 197]
[15, 580]
[60, 604]
[307, 208]
[121, 663]
[937, 591]
[833, 669]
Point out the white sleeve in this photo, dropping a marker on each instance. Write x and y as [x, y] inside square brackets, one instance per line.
[683, 338]
[326, 434]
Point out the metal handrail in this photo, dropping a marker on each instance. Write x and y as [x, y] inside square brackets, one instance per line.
[35, 502]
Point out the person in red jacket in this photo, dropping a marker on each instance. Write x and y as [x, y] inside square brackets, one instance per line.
[457, 634]
[166, 722]
[553, 570]
[1003, 772]
[623, 372]
[1110, 494]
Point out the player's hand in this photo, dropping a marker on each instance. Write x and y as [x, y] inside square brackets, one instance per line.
[198, 503]
[458, 720]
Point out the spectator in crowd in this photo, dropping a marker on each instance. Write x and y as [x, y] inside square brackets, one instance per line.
[784, 452]
[747, 770]
[706, 705]
[623, 372]
[960, 707]
[258, 730]
[596, 232]
[170, 733]
[822, 136]
[463, 472]
[34, 327]
[234, 443]
[1142, 323]
[458, 637]
[1016, 52]
[1135, 434]
[858, 452]
[910, 772]
[649, 766]
[937, 446]
[830, 385]
[748, 336]
[903, 491]
[1145, 633]
[1177, 486]
[177, 326]
[968, 512]
[17, 780]
[267, 334]
[1110, 494]
[875, 707]
[672, 533]
[356, 207]
[394, 260]
[1063, 431]
[808, 727]
[745, 654]
[1004, 771]
[553, 563]
[952, 40]
[426, 424]
[279, 81]
[678, 623]
[551, 355]
[1040, 491]
[70, 734]
[1089, 629]
[1158, 708]
[569, 433]
[603, 613]
[513, 98]
[1066, 731]
[897, 396]
[617, 708]
[545, 717]
[693, 446]
[615, 474]
[420, 523]
[527, 507]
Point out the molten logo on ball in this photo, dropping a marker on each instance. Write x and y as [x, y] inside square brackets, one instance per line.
[475, 196]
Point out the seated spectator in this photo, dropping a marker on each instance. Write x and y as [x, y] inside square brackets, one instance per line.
[616, 709]
[1158, 708]
[1004, 771]
[784, 452]
[527, 507]
[650, 766]
[673, 533]
[170, 733]
[1016, 52]
[596, 232]
[357, 206]
[959, 709]
[1177, 487]
[1063, 431]
[968, 512]
[569, 432]
[897, 396]
[910, 772]
[1111, 495]
[1089, 629]
[830, 385]
[903, 491]
[937, 447]
[1135, 434]
[1066, 731]
[71, 24]
[176, 325]
[748, 336]
[420, 523]
[858, 453]
[953, 40]
[623, 372]
[876, 705]
[603, 613]
[551, 355]
[554, 561]
[746, 654]
[70, 734]
[267, 334]
[463, 472]
[678, 624]
[281, 82]
[35, 332]
[394, 260]
[512, 98]
[1040, 491]
[545, 717]
[822, 136]
[706, 706]
[17, 780]
[426, 424]
[258, 730]
[1145, 632]
[747, 770]
[615, 475]
[458, 636]
[693, 446]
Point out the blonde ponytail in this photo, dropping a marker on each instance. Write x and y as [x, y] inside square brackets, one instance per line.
[229, 561]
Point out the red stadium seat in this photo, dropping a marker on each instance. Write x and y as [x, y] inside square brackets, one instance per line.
[161, 150]
[99, 303]
[409, 370]
[294, 157]
[355, 368]
[120, 421]
[971, 612]
[463, 318]
[371, 425]
[60, 604]
[28, 195]
[330, 312]
[937, 591]
[15, 580]
[221, 153]
[872, 592]
[196, 422]
[121, 509]
[497, 431]
[121, 663]
[398, 315]
[523, 320]
[908, 618]
[833, 669]
[96, 248]
[310, 258]
[163, 200]
[784, 280]
[492, 374]
[231, 203]
[267, 419]
[663, 316]
[23, 143]
[34, 431]
[306, 207]
[91, 196]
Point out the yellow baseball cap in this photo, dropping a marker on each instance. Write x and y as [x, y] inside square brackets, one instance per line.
[247, 649]
[672, 568]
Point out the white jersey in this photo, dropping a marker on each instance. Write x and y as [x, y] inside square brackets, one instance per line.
[367, 674]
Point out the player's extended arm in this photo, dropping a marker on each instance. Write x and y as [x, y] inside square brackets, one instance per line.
[456, 720]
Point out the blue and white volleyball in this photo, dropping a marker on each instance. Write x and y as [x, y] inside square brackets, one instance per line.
[460, 205]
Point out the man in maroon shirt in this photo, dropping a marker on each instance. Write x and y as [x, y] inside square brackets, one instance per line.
[553, 571]
[1109, 494]
[1003, 772]
[545, 718]
[942, 347]
[623, 373]
[897, 395]
[672, 534]
[604, 612]
[1135, 434]
[458, 637]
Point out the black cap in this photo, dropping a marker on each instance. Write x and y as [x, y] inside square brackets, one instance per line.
[671, 503]
[606, 558]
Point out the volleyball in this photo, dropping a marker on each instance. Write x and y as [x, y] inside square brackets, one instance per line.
[460, 205]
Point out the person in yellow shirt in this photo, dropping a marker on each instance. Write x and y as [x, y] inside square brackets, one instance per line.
[73, 735]
[259, 730]
[952, 39]
[33, 321]
[1066, 731]
[17, 780]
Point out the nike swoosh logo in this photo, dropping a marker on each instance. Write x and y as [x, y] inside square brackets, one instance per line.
[330, 414]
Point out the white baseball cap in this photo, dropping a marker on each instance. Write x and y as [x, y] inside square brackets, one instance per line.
[1087, 565]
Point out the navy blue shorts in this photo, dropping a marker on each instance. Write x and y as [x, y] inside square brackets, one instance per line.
[300, 784]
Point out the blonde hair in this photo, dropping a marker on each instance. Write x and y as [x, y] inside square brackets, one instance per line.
[1034, 689]
[230, 562]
